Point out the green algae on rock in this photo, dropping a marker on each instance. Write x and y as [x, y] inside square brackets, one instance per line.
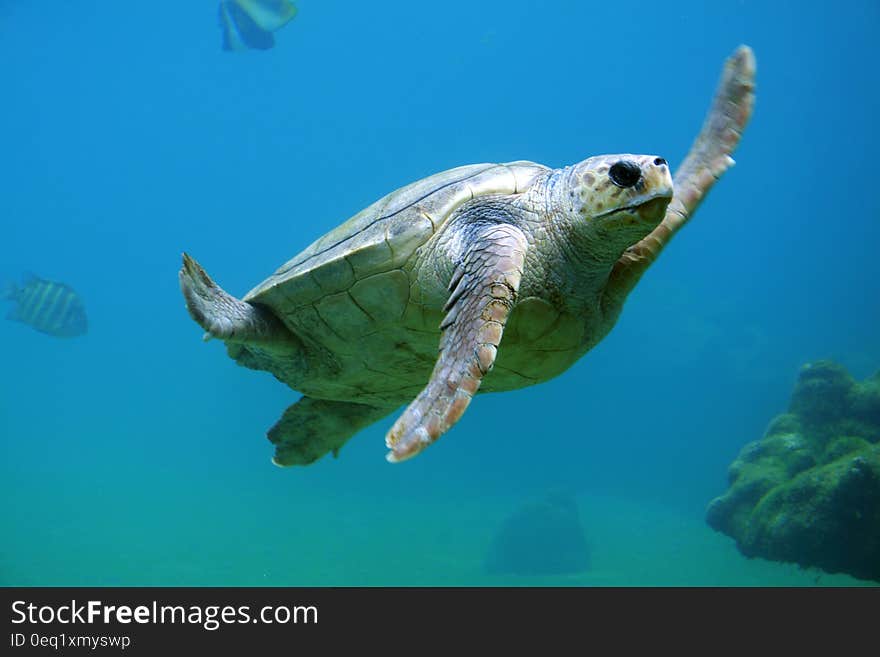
[808, 492]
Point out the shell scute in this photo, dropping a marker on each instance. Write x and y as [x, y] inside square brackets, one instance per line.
[379, 240]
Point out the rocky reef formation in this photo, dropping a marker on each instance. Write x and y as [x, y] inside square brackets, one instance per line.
[544, 537]
[808, 492]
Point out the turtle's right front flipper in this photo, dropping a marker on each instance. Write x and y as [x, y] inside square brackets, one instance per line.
[482, 293]
[222, 315]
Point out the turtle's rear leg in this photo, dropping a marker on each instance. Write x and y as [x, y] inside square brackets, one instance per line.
[312, 427]
[222, 315]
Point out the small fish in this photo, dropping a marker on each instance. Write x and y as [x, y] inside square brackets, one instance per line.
[249, 24]
[48, 307]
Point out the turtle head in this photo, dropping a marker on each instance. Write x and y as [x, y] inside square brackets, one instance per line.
[614, 200]
[621, 190]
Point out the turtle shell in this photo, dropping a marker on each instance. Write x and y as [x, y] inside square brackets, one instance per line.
[380, 239]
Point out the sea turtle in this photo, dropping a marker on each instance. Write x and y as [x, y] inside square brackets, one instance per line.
[544, 256]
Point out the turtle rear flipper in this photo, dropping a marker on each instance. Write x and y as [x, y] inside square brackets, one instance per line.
[222, 315]
[312, 427]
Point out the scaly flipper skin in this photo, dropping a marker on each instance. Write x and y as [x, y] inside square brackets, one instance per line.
[483, 291]
[708, 159]
[222, 315]
[312, 427]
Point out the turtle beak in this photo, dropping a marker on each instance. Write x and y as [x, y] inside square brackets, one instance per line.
[653, 210]
[650, 208]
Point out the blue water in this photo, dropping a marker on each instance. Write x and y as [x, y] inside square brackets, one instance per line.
[137, 454]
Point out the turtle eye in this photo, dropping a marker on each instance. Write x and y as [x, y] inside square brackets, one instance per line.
[625, 173]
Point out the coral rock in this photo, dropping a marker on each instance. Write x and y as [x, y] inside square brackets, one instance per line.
[808, 492]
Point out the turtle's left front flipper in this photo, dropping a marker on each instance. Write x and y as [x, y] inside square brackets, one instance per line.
[706, 162]
[483, 291]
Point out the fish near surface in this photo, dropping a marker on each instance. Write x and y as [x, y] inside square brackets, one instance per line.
[249, 24]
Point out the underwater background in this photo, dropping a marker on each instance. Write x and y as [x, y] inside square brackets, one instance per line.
[136, 455]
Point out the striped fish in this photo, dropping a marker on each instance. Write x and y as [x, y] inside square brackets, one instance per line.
[46, 306]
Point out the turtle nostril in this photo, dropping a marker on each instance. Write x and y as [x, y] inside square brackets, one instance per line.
[659, 161]
[625, 173]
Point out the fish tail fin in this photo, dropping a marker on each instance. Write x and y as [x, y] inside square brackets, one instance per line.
[240, 31]
[8, 290]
